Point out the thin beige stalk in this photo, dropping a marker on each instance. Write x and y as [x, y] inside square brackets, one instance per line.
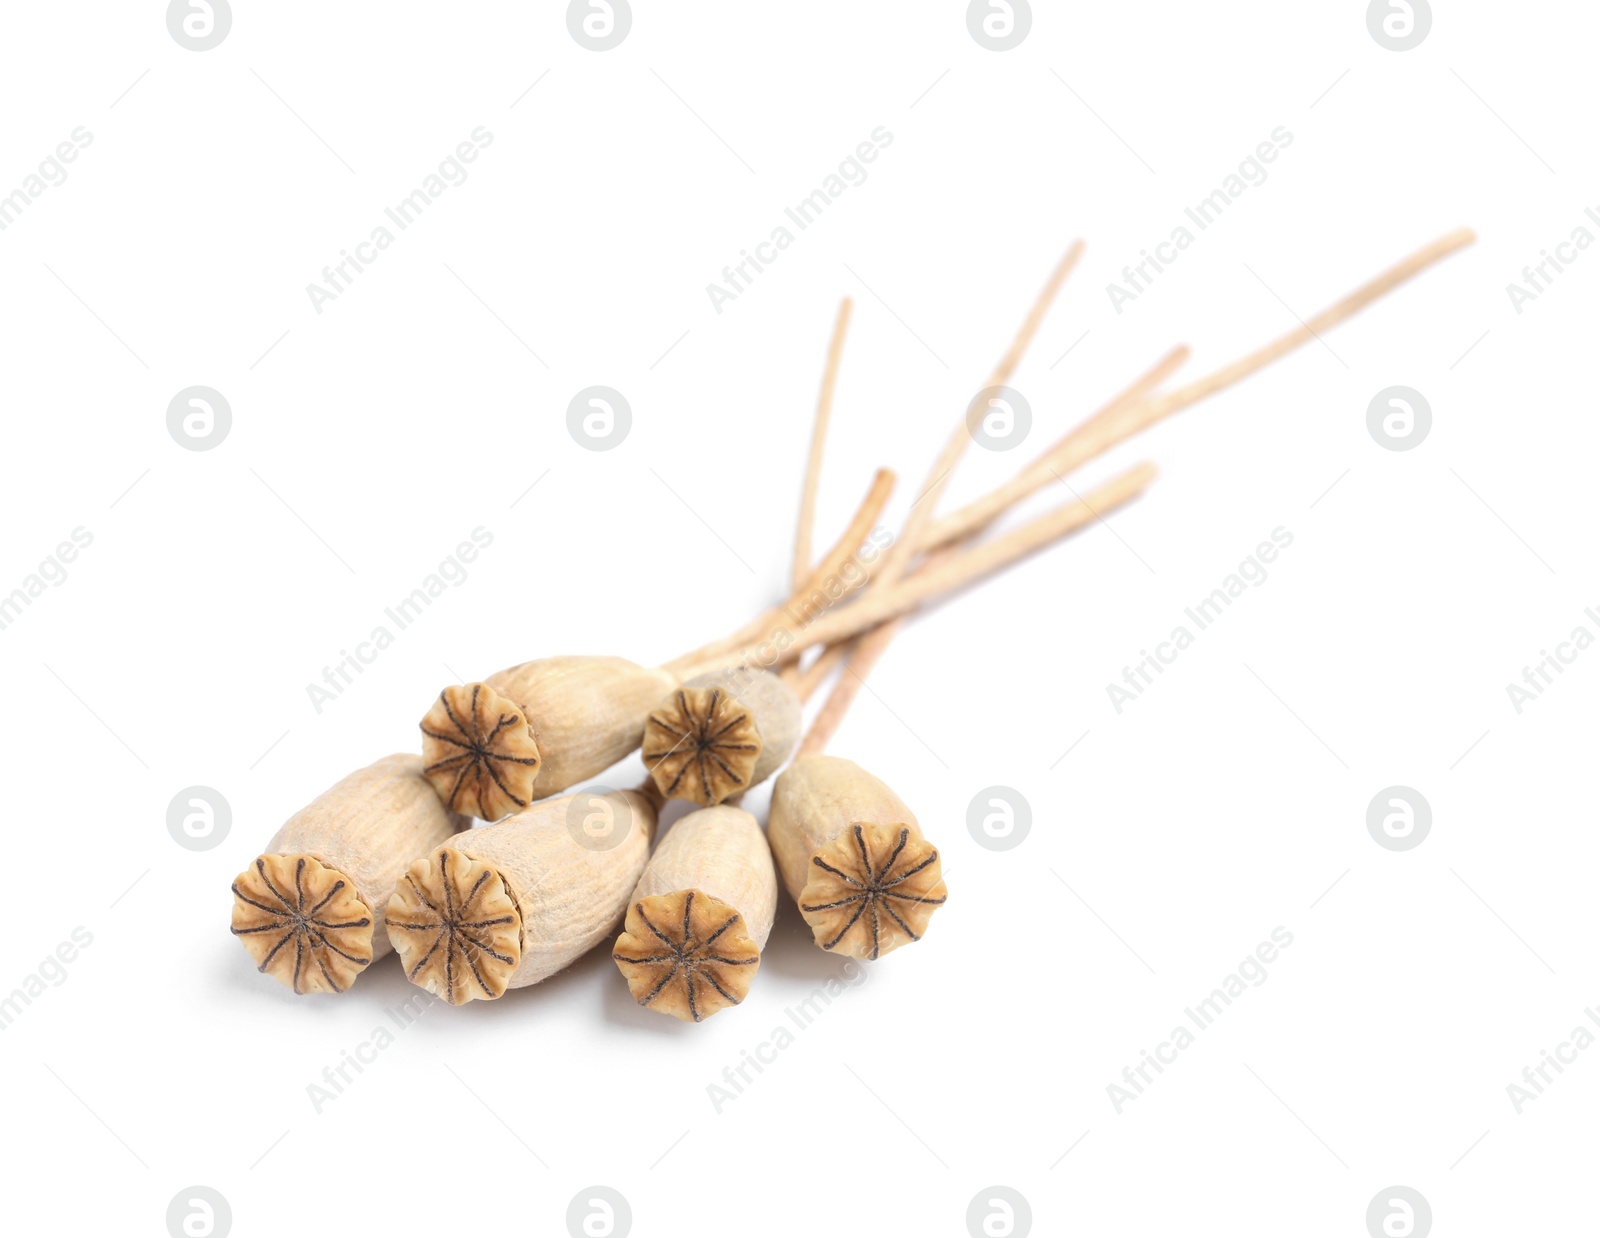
[861, 657]
[864, 654]
[835, 577]
[927, 501]
[801, 571]
[1051, 464]
[870, 647]
[782, 646]
[1119, 422]
[807, 682]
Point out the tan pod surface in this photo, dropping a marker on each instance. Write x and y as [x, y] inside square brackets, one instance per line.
[536, 729]
[700, 915]
[507, 905]
[310, 908]
[853, 857]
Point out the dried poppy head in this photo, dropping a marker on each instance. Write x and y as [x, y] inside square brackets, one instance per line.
[720, 734]
[456, 926]
[699, 915]
[852, 855]
[479, 752]
[303, 923]
[686, 954]
[310, 909]
[507, 905]
[536, 729]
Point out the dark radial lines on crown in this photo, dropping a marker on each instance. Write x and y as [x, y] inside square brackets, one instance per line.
[687, 959]
[304, 927]
[874, 885]
[453, 931]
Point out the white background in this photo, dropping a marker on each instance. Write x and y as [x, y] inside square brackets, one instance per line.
[1231, 798]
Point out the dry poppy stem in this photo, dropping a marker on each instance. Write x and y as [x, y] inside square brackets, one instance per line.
[870, 647]
[864, 654]
[954, 573]
[888, 570]
[1131, 412]
[793, 678]
[1119, 422]
[839, 567]
[888, 573]
[908, 543]
[820, 805]
[807, 682]
[1052, 463]
[860, 657]
[801, 571]
[310, 909]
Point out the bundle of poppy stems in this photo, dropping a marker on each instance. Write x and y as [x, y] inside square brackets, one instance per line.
[391, 859]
